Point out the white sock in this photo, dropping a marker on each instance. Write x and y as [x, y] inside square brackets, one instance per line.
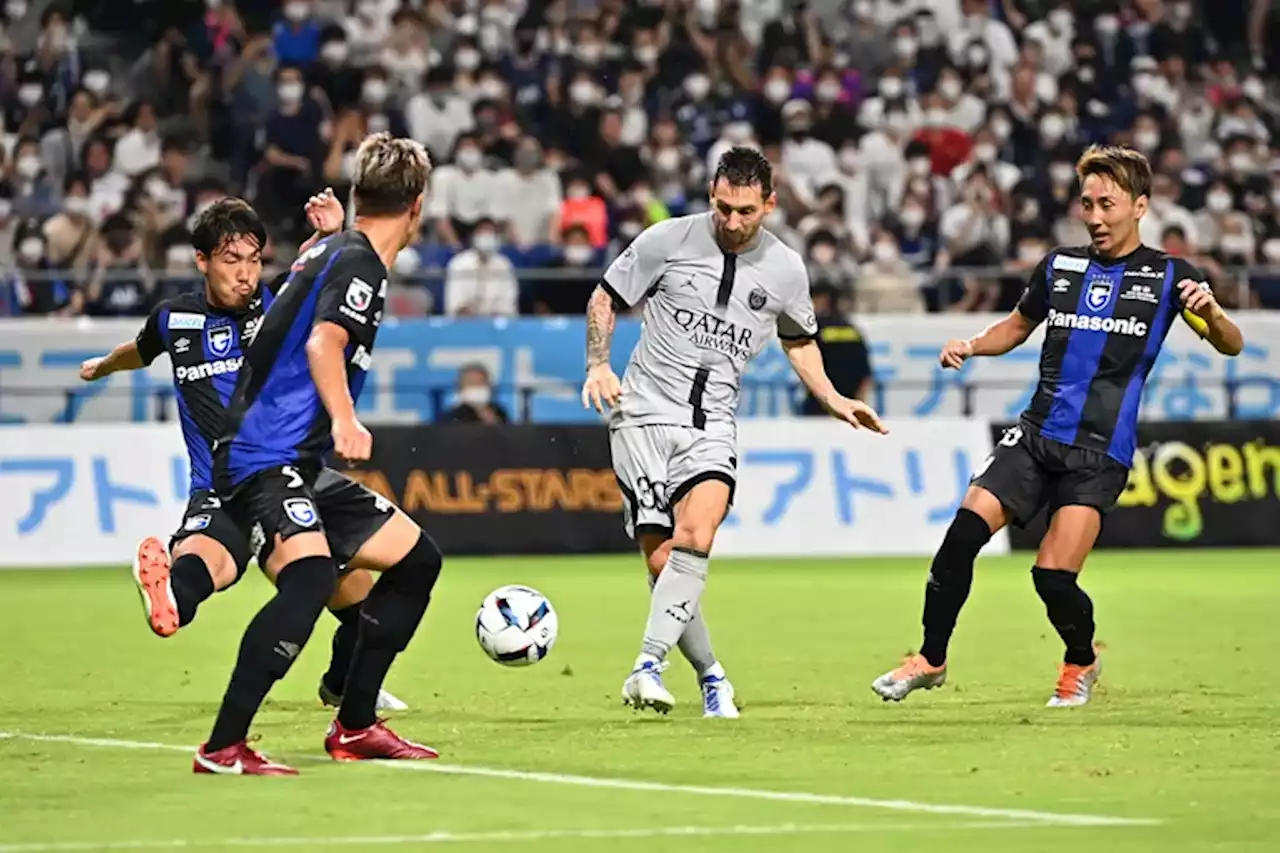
[675, 601]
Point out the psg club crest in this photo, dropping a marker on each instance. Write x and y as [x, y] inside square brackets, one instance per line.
[300, 511]
[757, 298]
[219, 339]
[1099, 293]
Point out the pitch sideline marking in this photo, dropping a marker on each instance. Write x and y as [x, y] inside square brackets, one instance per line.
[445, 837]
[1049, 818]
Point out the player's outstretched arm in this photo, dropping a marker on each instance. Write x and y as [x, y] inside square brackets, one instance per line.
[999, 338]
[1201, 311]
[123, 357]
[806, 360]
[602, 389]
[326, 356]
[325, 213]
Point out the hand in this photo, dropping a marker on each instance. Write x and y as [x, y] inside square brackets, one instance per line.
[351, 441]
[89, 369]
[856, 414]
[1197, 300]
[955, 353]
[325, 213]
[602, 389]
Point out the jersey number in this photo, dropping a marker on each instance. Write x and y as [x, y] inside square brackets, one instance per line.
[695, 397]
[295, 479]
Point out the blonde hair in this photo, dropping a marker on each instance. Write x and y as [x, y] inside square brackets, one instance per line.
[390, 174]
[1129, 169]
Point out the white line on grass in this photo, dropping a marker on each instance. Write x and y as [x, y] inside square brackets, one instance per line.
[444, 837]
[1054, 818]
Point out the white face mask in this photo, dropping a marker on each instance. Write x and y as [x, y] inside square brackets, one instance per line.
[1061, 173]
[96, 81]
[475, 395]
[1086, 74]
[1052, 127]
[486, 242]
[828, 91]
[667, 160]
[335, 52]
[577, 191]
[470, 158]
[1271, 249]
[920, 166]
[912, 217]
[630, 229]
[1218, 201]
[6, 207]
[578, 254]
[15, 9]
[1253, 89]
[890, 87]
[379, 123]
[297, 11]
[1240, 162]
[30, 94]
[76, 205]
[156, 188]
[1234, 244]
[467, 60]
[375, 91]
[977, 56]
[641, 196]
[905, 46]
[583, 92]
[738, 132]
[31, 249]
[29, 166]
[984, 152]
[1061, 20]
[1029, 252]
[646, 54]
[1001, 128]
[849, 159]
[1146, 140]
[777, 90]
[697, 85]
[823, 254]
[1275, 199]
[178, 256]
[492, 89]
[1106, 24]
[885, 252]
[588, 53]
[407, 262]
[950, 88]
[935, 117]
[290, 93]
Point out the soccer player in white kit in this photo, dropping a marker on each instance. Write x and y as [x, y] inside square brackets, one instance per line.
[716, 286]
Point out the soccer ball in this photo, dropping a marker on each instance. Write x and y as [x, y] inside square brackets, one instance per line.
[516, 626]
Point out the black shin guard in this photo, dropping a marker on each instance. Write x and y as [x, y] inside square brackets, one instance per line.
[388, 619]
[271, 643]
[950, 578]
[344, 648]
[191, 583]
[1070, 610]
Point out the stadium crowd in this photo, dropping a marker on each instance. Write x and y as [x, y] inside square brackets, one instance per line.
[924, 148]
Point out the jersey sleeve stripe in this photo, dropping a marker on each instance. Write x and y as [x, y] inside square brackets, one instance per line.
[618, 302]
[807, 336]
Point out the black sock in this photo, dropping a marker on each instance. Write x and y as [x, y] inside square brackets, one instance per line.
[271, 643]
[344, 648]
[950, 577]
[191, 583]
[1070, 610]
[388, 619]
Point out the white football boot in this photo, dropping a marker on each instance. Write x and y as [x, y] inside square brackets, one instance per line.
[386, 702]
[644, 688]
[717, 697]
[1075, 684]
[916, 673]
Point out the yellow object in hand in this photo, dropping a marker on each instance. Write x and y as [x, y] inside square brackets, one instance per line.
[1198, 324]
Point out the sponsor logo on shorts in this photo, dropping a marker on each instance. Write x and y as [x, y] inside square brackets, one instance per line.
[301, 511]
[184, 320]
[206, 370]
[196, 522]
[1070, 264]
[1131, 326]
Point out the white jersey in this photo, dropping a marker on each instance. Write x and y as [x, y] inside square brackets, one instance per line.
[707, 314]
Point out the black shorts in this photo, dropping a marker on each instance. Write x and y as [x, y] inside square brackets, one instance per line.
[207, 516]
[289, 500]
[1027, 471]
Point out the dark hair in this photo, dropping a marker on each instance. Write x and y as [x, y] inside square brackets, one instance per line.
[473, 367]
[741, 166]
[1129, 169]
[223, 221]
[74, 177]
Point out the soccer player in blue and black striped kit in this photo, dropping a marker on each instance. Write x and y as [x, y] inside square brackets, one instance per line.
[293, 406]
[1107, 308]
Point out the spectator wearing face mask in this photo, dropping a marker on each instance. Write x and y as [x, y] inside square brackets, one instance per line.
[574, 123]
[1220, 209]
[71, 235]
[437, 115]
[577, 273]
[380, 114]
[333, 74]
[480, 281]
[827, 264]
[463, 193]
[475, 399]
[293, 149]
[368, 27]
[35, 289]
[139, 148]
[886, 283]
[296, 37]
[121, 283]
[1164, 211]
[808, 162]
[530, 196]
[583, 207]
[974, 233]
[916, 232]
[844, 351]
[834, 119]
[948, 146]
[34, 194]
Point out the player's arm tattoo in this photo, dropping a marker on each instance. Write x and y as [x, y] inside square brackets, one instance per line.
[601, 317]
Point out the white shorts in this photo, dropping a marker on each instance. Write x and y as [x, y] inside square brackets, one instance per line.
[656, 465]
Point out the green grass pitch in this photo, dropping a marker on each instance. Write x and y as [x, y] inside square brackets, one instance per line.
[1184, 733]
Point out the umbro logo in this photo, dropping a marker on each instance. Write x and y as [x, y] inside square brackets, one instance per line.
[181, 345]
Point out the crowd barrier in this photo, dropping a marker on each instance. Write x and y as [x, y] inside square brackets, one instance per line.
[538, 366]
[75, 495]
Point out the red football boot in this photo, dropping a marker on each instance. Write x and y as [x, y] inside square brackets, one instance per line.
[151, 574]
[238, 760]
[377, 741]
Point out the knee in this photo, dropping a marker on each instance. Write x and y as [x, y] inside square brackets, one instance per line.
[694, 535]
[420, 568]
[966, 536]
[308, 583]
[1051, 584]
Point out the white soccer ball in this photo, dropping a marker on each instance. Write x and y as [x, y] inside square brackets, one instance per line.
[516, 626]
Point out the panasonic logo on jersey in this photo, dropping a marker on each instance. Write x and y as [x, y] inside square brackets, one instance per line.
[206, 370]
[1089, 323]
